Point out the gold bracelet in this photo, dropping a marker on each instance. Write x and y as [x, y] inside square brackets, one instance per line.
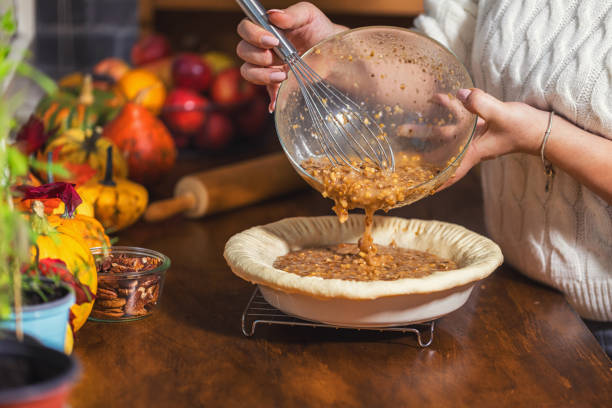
[548, 168]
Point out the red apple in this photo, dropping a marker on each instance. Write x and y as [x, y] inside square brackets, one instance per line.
[230, 88]
[150, 48]
[184, 110]
[190, 71]
[253, 117]
[216, 134]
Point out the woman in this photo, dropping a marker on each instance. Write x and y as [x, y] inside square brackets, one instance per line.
[547, 179]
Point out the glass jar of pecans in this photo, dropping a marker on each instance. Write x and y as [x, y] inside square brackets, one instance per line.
[130, 282]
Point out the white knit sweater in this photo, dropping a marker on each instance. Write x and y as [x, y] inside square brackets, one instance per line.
[554, 55]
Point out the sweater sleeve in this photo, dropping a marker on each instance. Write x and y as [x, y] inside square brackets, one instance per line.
[452, 23]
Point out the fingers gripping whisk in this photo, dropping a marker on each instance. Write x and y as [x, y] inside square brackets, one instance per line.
[346, 132]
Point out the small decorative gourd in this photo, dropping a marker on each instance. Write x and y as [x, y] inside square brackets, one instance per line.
[84, 109]
[76, 147]
[117, 202]
[64, 111]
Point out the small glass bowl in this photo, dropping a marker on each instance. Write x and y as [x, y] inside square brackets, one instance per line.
[128, 295]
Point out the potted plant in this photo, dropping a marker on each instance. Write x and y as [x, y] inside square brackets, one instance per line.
[32, 374]
[45, 306]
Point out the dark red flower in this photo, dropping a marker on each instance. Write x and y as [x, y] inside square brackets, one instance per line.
[56, 267]
[64, 191]
[32, 136]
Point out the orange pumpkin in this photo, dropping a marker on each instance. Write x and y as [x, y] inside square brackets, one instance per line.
[25, 205]
[88, 228]
[55, 244]
[52, 205]
[144, 141]
[71, 223]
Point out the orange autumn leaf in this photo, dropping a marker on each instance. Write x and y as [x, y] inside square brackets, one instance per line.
[80, 173]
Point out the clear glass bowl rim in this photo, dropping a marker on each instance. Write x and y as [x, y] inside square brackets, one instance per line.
[140, 252]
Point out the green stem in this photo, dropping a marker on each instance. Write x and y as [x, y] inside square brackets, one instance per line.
[50, 177]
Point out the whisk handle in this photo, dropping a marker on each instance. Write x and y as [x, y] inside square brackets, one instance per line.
[257, 14]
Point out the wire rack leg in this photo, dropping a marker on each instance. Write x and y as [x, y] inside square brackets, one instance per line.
[431, 335]
[248, 333]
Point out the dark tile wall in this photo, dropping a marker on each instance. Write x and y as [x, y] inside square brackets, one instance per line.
[73, 35]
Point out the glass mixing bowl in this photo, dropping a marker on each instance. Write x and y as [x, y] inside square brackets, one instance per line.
[407, 82]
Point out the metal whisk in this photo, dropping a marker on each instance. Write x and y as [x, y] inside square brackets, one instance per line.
[346, 132]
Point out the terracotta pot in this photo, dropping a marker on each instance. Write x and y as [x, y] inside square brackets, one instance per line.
[51, 375]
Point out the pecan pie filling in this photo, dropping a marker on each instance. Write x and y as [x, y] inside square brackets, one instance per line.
[372, 189]
[344, 262]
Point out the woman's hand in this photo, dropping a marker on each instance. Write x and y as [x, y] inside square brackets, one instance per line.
[509, 127]
[502, 128]
[303, 24]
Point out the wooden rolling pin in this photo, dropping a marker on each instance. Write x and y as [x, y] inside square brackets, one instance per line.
[228, 187]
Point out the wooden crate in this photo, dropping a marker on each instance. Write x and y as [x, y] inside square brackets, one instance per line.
[348, 7]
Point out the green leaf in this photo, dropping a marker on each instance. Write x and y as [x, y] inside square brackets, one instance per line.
[46, 83]
[57, 169]
[17, 162]
[7, 22]
[6, 66]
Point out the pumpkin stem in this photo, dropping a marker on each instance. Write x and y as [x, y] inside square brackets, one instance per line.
[90, 141]
[50, 177]
[108, 176]
[86, 97]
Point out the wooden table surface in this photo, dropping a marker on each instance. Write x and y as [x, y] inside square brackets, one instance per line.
[515, 343]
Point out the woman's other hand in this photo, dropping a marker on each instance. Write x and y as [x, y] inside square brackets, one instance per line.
[303, 24]
[502, 128]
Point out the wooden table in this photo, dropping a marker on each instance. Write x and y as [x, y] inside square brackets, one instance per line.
[515, 343]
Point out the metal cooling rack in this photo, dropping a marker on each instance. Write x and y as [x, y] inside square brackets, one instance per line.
[259, 311]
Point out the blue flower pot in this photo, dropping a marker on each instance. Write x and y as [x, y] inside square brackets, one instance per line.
[45, 322]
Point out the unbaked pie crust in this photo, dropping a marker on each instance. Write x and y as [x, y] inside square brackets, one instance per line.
[251, 253]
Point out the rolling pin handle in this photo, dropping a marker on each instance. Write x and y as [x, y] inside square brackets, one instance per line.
[165, 209]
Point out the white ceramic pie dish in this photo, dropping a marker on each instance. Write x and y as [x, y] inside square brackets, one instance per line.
[251, 253]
